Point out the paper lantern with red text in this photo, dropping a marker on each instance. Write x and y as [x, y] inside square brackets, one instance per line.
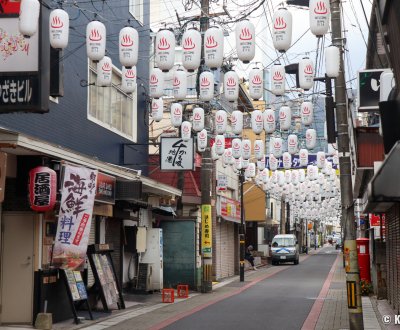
[236, 148]
[319, 17]
[246, 149]
[219, 144]
[269, 121]
[191, 49]
[165, 49]
[282, 29]
[128, 79]
[128, 46]
[245, 41]
[220, 121]
[156, 83]
[231, 86]
[59, 28]
[95, 40]
[157, 109]
[277, 147]
[257, 124]
[306, 73]
[206, 82]
[186, 130]
[307, 113]
[285, 118]
[180, 84]
[259, 149]
[292, 143]
[198, 119]
[303, 157]
[311, 138]
[42, 188]
[213, 47]
[278, 79]
[202, 140]
[176, 114]
[237, 122]
[256, 83]
[104, 72]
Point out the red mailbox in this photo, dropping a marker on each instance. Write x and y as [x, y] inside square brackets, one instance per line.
[363, 258]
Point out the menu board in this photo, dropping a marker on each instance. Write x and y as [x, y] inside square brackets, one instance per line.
[106, 278]
[75, 285]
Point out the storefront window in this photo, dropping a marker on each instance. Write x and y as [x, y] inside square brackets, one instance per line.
[110, 107]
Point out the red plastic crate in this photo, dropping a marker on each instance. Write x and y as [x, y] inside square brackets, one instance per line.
[168, 295]
[183, 291]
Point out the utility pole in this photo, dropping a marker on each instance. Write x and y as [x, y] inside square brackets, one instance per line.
[206, 173]
[347, 220]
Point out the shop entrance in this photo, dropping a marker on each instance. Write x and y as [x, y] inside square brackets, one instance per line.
[17, 267]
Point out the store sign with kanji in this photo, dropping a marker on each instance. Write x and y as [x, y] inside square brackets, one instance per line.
[206, 231]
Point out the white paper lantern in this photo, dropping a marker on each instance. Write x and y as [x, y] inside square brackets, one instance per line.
[128, 46]
[295, 177]
[278, 79]
[257, 124]
[95, 40]
[281, 178]
[29, 17]
[186, 130]
[258, 149]
[319, 17]
[214, 154]
[156, 83]
[245, 41]
[251, 170]
[287, 160]
[292, 143]
[236, 148]
[303, 157]
[104, 72]
[307, 113]
[269, 121]
[206, 80]
[306, 73]
[229, 154]
[332, 61]
[157, 109]
[213, 47]
[231, 86]
[265, 175]
[59, 28]
[245, 163]
[165, 49]
[285, 118]
[256, 83]
[191, 46]
[220, 144]
[311, 138]
[335, 159]
[237, 122]
[176, 114]
[180, 84]
[128, 81]
[273, 162]
[277, 147]
[302, 175]
[202, 140]
[282, 29]
[198, 119]
[288, 176]
[238, 163]
[321, 159]
[312, 172]
[246, 149]
[220, 121]
[261, 163]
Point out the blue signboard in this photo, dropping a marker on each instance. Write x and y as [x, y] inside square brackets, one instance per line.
[312, 160]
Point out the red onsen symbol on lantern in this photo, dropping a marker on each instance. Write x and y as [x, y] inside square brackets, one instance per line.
[56, 23]
[246, 147]
[153, 79]
[322, 158]
[303, 155]
[277, 76]
[231, 82]
[202, 135]
[277, 145]
[185, 128]
[188, 44]
[258, 119]
[95, 35]
[197, 116]
[177, 112]
[219, 119]
[309, 137]
[270, 119]
[245, 34]
[163, 44]
[219, 142]
[130, 74]
[155, 106]
[236, 146]
[306, 111]
[211, 43]
[280, 23]
[256, 147]
[234, 120]
[308, 69]
[256, 80]
[126, 41]
[282, 115]
[205, 82]
[321, 9]
[177, 82]
[106, 67]
[292, 142]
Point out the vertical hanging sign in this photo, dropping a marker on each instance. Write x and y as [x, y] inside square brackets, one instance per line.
[74, 220]
[206, 231]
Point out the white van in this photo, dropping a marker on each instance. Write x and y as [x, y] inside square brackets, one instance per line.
[284, 248]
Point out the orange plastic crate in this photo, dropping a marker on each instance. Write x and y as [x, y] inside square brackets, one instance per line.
[168, 295]
[183, 291]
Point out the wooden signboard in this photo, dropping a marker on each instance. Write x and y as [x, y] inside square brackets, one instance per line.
[105, 277]
[76, 290]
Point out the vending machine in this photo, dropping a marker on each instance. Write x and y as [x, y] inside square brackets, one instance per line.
[153, 256]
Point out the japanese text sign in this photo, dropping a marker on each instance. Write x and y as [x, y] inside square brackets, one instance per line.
[206, 231]
[176, 154]
[74, 220]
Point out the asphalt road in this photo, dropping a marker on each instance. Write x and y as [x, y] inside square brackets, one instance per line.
[282, 301]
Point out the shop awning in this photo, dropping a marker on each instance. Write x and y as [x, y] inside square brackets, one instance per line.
[21, 144]
[383, 190]
[164, 210]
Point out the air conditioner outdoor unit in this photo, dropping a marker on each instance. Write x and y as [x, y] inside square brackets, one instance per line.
[144, 277]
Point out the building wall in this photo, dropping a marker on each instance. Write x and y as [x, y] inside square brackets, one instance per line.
[66, 124]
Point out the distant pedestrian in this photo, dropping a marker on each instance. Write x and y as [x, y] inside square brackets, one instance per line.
[249, 256]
